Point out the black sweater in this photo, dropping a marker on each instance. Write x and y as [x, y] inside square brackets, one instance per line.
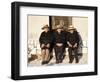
[45, 37]
[72, 38]
[59, 37]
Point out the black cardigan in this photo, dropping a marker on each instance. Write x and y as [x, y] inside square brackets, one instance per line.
[45, 37]
[72, 38]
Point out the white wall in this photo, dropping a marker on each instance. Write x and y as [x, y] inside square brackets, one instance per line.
[81, 24]
[5, 40]
[35, 23]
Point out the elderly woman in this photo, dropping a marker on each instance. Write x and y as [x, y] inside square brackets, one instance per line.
[73, 43]
[59, 44]
[45, 43]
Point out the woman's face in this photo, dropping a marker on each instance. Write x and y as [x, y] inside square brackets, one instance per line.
[71, 31]
[59, 30]
[46, 29]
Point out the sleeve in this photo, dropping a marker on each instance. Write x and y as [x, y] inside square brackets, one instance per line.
[64, 37]
[67, 37]
[51, 37]
[41, 39]
[80, 40]
[77, 38]
[54, 38]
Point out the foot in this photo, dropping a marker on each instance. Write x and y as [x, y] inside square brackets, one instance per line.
[60, 61]
[70, 61]
[46, 62]
[43, 62]
[77, 62]
[49, 59]
[57, 62]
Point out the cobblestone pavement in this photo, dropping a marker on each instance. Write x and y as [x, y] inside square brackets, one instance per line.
[37, 62]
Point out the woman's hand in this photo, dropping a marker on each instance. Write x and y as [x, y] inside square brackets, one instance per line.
[42, 45]
[48, 45]
[69, 44]
[59, 44]
[75, 45]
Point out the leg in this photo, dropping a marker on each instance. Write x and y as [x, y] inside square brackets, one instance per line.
[76, 56]
[61, 56]
[47, 56]
[56, 53]
[51, 51]
[71, 58]
[43, 55]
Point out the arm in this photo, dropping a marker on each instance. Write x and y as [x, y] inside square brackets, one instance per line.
[75, 45]
[41, 40]
[77, 41]
[69, 44]
[67, 40]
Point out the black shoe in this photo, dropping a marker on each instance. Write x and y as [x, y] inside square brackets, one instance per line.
[70, 61]
[60, 61]
[57, 62]
[50, 59]
[77, 62]
[43, 62]
[46, 62]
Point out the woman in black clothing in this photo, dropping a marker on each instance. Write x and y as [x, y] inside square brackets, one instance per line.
[59, 44]
[72, 42]
[45, 43]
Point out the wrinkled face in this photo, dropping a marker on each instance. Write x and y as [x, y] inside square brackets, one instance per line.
[46, 29]
[59, 30]
[71, 31]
